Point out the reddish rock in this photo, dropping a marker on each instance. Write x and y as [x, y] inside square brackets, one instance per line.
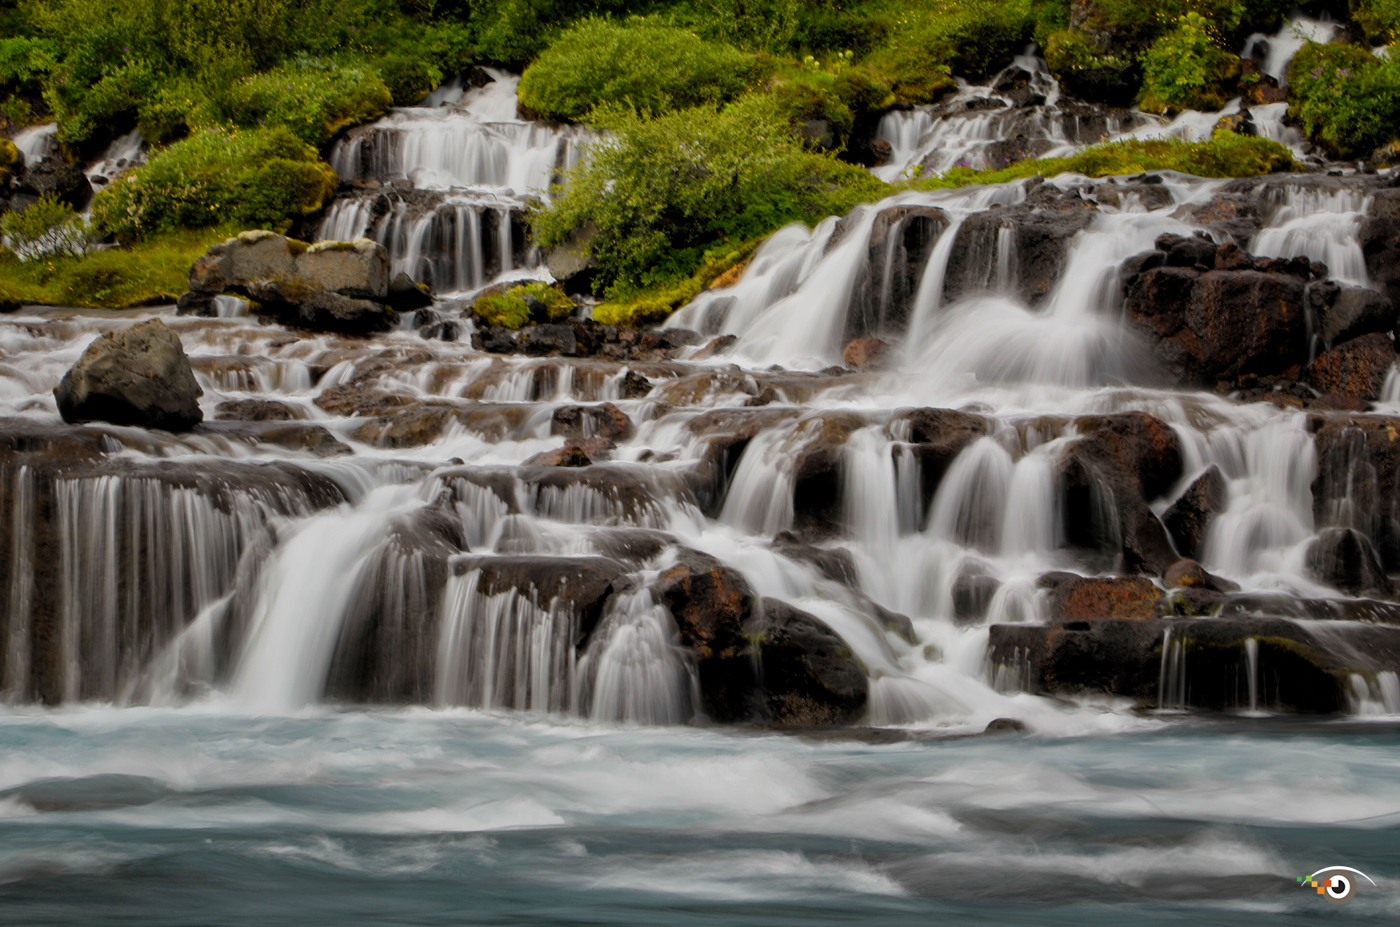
[1356, 369]
[866, 354]
[1119, 598]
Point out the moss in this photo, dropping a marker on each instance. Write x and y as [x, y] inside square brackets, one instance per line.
[1224, 155]
[10, 161]
[658, 303]
[152, 272]
[509, 309]
[1086, 72]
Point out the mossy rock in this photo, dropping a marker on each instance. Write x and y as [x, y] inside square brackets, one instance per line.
[11, 161]
[521, 305]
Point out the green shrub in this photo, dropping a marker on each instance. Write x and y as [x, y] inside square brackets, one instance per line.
[408, 80]
[664, 191]
[1379, 19]
[1185, 68]
[1085, 71]
[48, 228]
[258, 178]
[10, 161]
[926, 45]
[644, 64]
[1346, 99]
[315, 99]
[509, 308]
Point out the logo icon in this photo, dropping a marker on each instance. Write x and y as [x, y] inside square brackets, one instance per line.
[1337, 884]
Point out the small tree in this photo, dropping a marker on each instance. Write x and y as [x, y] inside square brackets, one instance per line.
[50, 227]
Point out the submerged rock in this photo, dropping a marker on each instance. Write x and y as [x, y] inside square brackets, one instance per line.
[134, 376]
[1344, 559]
[1189, 517]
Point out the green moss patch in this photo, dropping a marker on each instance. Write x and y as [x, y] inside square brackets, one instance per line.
[510, 308]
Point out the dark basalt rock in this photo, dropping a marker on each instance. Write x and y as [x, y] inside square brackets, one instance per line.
[53, 176]
[1189, 517]
[1041, 229]
[604, 420]
[1358, 478]
[1298, 669]
[1380, 241]
[972, 594]
[406, 296]
[936, 437]
[323, 311]
[580, 585]
[1188, 574]
[1354, 311]
[1344, 559]
[1118, 598]
[1357, 369]
[901, 239]
[807, 674]
[134, 376]
[256, 410]
[1207, 324]
[1121, 463]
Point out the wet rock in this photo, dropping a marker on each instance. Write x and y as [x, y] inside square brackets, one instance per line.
[604, 420]
[715, 346]
[541, 340]
[256, 410]
[711, 604]
[936, 437]
[1118, 598]
[866, 354]
[134, 376]
[836, 564]
[1356, 311]
[809, 676]
[324, 311]
[387, 649]
[1358, 478]
[52, 176]
[1188, 574]
[1298, 669]
[1344, 559]
[581, 585]
[1379, 238]
[294, 436]
[634, 546]
[1189, 516]
[572, 454]
[901, 239]
[1207, 325]
[358, 269]
[360, 399]
[192, 303]
[972, 595]
[1229, 215]
[494, 339]
[572, 263]
[405, 296]
[1005, 726]
[1039, 232]
[1357, 369]
[634, 385]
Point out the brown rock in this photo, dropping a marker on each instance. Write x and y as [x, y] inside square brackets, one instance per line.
[133, 376]
[866, 354]
[1119, 598]
[1357, 369]
[1189, 517]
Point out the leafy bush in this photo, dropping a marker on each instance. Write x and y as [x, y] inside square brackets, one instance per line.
[510, 309]
[1085, 71]
[1379, 19]
[1185, 67]
[48, 228]
[10, 161]
[926, 45]
[1346, 99]
[664, 191]
[253, 179]
[313, 98]
[644, 64]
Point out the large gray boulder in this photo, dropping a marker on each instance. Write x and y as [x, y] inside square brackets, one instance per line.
[337, 286]
[135, 376]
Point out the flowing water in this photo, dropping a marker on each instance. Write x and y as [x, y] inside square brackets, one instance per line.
[349, 664]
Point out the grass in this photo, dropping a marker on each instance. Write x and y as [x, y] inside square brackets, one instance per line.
[150, 273]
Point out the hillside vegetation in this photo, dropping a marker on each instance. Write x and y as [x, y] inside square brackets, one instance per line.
[725, 118]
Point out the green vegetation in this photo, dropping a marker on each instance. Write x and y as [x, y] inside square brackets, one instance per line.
[257, 178]
[313, 98]
[1185, 68]
[655, 304]
[49, 227]
[662, 192]
[1347, 99]
[518, 305]
[1224, 155]
[152, 272]
[1378, 19]
[648, 65]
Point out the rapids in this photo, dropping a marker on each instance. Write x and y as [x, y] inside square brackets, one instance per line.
[353, 648]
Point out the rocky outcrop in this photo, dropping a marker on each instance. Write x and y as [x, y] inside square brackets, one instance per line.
[330, 286]
[1357, 369]
[55, 177]
[1120, 464]
[585, 338]
[1358, 478]
[759, 661]
[901, 240]
[1038, 233]
[1189, 517]
[134, 376]
[1344, 559]
[1195, 663]
[1216, 313]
